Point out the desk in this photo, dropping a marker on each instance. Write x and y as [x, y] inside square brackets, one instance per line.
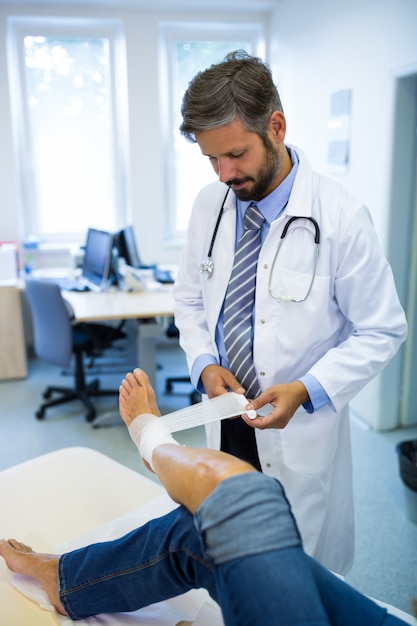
[148, 307]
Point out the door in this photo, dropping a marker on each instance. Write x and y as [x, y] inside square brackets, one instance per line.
[400, 377]
[408, 404]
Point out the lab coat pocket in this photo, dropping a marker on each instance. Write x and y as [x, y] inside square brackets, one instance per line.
[302, 313]
[309, 442]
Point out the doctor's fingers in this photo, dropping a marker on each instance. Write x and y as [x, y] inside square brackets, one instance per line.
[274, 419]
[218, 380]
[271, 395]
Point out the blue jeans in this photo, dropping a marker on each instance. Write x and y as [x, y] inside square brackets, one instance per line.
[242, 545]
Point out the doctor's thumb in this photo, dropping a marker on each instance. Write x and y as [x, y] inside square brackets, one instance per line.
[256, 403]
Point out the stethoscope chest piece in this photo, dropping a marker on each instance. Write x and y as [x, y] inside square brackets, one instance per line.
[206, 268]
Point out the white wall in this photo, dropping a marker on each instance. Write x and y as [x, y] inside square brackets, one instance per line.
[318, 48]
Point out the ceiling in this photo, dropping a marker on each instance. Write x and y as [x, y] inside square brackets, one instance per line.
[241, 5]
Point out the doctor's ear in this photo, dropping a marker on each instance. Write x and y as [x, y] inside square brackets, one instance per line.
[278, 125]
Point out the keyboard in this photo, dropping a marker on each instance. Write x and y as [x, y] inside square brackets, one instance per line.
[163, 276]
[72, 284]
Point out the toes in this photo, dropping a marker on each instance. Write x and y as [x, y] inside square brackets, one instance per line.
[127, 385]
[140, 376]
[134, 379]
[18, 545]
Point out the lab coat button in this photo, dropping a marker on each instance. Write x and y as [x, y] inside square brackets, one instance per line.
[262, 321]
[262, 373]
[268, 465]
[265, 266]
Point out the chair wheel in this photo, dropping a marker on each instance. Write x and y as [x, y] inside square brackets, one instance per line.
[40, 413]
[91, 415]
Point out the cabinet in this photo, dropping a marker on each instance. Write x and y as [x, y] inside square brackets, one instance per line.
[13, 363]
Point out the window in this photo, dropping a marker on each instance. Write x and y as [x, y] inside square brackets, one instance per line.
[187, 49]
[69, 96]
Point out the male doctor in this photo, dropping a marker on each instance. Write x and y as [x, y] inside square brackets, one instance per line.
[324, 313]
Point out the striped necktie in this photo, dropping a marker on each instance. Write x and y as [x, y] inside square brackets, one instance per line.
[239, 303]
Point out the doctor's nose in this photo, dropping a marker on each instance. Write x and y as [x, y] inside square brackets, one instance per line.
[226, 170]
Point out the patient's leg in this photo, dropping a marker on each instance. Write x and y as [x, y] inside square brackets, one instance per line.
[160, 560]
[42, 567]
[188, 474]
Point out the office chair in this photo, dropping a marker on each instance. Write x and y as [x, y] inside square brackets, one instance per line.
[57, 340]
[173, 333]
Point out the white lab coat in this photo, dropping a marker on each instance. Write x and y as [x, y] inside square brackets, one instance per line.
[344, 333]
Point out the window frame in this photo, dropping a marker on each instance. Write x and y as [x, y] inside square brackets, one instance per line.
[170, 33]
[19, 27]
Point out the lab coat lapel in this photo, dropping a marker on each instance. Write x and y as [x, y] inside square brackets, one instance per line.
[301, 197]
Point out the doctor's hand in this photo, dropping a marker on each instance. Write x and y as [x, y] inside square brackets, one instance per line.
[218, 380]
[285, 400]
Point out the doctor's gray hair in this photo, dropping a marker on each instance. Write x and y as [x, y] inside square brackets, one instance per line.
[241, 87]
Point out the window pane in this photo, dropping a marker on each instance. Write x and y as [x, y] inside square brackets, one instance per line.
[187, 49]
[193, 169]
[68, 98]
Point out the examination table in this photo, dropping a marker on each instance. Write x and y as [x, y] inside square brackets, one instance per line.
[73, 497]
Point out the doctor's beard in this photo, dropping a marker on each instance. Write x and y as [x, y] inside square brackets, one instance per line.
[264, 177]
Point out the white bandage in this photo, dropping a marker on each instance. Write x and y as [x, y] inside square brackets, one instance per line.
[219, 408]
[148, 432]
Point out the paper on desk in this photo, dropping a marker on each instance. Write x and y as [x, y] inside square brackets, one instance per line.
[194, 605]
[8, 262]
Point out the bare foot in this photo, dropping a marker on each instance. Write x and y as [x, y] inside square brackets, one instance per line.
[136, 396]
[21, 559]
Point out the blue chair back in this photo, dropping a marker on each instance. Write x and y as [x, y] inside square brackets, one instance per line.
[51, 322]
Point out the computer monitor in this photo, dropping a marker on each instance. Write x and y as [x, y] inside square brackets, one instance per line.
[97, 259]
[125, 243]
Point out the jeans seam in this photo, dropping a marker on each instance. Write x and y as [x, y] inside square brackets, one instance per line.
[124, 572]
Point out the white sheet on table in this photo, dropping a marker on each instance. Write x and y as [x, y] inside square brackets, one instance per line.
[194, 605]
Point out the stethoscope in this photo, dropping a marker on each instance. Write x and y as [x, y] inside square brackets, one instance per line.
[206, 268]
[286, 297]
